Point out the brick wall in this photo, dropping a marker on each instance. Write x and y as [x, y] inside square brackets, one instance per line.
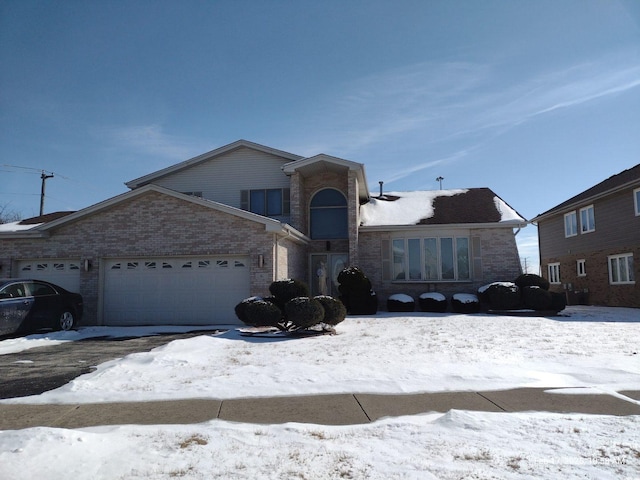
[151, 224]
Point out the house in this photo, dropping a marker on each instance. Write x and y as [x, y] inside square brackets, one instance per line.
[188, 242]
[588, 243]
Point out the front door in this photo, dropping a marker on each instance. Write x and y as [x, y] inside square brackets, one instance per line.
[325, 268]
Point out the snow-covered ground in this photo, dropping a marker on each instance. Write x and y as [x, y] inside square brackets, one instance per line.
[593, 347]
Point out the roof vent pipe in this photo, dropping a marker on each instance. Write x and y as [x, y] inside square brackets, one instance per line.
[381, 183]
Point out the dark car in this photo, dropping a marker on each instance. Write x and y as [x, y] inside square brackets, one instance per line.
[30, 305]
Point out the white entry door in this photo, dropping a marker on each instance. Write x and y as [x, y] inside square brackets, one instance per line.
[174, 291]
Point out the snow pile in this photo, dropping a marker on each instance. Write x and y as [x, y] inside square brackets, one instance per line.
[594, 347]
[408, 209]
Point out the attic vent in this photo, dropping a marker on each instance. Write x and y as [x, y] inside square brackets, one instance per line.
[381, 184]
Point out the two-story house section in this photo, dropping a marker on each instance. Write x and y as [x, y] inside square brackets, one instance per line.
[190, 241]
[590, 244]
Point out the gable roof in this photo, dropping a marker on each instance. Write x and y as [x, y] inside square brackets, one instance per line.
[473, 206]
[271, 225]
[322, 163]
[626, 179]
[138, 182]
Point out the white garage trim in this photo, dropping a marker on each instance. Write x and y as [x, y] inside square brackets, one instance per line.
[63, 272]
[174, 290]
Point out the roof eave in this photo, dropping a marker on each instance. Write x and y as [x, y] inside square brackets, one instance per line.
[441, 226]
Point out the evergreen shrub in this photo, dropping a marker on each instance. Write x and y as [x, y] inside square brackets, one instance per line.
[334, 310]
[304, 312]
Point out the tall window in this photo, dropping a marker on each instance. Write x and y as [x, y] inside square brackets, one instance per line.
[272, 202]
[553, 270]
[582, 267]
[636, 200]
[587, 219]
[429, 259]
[570, 224]
[328, 215]
[621, 269]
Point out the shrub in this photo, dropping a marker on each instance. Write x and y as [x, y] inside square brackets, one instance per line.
[531, 280]
[356, 292]
[285, 290]
[401, 303]
[241, 308]
[500, 295]
[334, 310]
[558, 301]
[261, 313]
[536, 298]
[432, 302]
[465, 303]
[304, 312]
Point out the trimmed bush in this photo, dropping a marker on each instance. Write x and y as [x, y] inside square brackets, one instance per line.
[501, 295]
[558, 301]
[433, 302]
[465, 303]
[261, 313]
[304, 312]
[285, 290]
[241, 308]
[334, 310]
[356, 292]
[531, 280]
[536, 298]
[401, 303]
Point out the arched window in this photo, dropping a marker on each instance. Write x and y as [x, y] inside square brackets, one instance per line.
[328, 215]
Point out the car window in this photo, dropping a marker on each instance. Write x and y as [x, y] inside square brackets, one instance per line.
[40, 289]
[15, 290]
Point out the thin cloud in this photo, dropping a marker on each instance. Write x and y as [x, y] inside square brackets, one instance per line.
[151, 140]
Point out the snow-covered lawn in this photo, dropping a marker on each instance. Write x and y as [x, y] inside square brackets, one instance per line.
[593, 347]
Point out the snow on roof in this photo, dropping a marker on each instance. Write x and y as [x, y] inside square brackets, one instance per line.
[402, 208]
[475, 205]
[17, 226]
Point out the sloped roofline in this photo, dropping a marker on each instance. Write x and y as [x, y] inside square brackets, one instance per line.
[138, 182]
[307, 164]
[270, 224]
[616, 183]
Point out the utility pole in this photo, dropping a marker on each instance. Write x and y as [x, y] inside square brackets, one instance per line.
[439, 179]
[43, 177]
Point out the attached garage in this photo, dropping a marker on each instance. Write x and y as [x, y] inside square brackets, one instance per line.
[174, 290]
[62, 272]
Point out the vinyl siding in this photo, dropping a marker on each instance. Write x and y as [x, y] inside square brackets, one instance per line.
[222, 178]
[616, 225]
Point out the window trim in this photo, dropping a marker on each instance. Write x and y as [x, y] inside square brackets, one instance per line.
[582, 225]
[574, 225]
[629, 273]
[334, 208]
[285, 202]
[553, 272]
[406, 261]
[581, 267]
[636, 201]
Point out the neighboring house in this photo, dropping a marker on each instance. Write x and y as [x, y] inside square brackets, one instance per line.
[590, 244]
[188, 242]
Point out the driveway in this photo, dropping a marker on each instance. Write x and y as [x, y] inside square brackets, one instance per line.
[37, 370]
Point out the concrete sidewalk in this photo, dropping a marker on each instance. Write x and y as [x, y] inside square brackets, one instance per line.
[338, 409]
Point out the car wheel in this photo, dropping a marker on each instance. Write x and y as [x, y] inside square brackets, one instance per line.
[66, 320]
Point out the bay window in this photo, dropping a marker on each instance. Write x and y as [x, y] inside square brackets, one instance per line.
[431, 259]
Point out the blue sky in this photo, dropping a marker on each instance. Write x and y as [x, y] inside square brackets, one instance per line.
[537, 100]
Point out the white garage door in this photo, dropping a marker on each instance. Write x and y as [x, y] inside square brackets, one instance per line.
[174, 291]
[65, 273]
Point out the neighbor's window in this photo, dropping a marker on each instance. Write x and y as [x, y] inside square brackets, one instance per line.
[271, 202]
[582, 268]
[429, 259]
[553, 270]
[621, 269]
[570, 224]
[636, 199]
[328, 215]
[587, 219]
